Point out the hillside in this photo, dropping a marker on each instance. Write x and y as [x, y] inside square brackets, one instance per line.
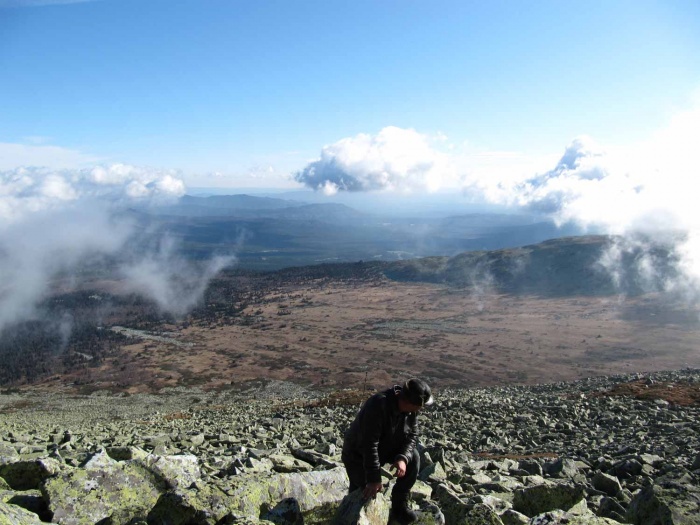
[344, 325]
[586, 452]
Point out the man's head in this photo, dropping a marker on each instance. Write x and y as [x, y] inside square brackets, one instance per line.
[415, 395]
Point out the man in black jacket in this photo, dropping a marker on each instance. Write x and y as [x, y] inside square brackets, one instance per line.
[385, 431]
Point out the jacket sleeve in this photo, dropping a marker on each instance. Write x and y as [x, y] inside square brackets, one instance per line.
[410, 435]
[370, 434]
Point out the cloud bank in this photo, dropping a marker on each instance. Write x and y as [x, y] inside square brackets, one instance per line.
[645, 192]
[52, 221]
[393, 159]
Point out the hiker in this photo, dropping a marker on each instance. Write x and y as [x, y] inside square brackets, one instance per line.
[385, 431]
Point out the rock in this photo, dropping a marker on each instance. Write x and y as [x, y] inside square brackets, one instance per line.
[606, 483]
[125, 453]
[532, 466]
[538, 499]
[14, 515]
[252, 494]
[434, 472]
[102, 489]
[284, 463]
[429, 514]
[30, 500]
[626, 468]
[314, 458]
[421, 491]
[611, 508]
[172, 471]
[354, 510]
[8, 453]
[27, 475]
[666, 505]
[286, 512]
[206, 505]
[513, 517]
[481, 514]
[562, 468]
[454, 509]
[559, 517]
[696, 463]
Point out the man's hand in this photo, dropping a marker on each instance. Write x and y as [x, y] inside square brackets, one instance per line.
[371, 490]
[400, 466]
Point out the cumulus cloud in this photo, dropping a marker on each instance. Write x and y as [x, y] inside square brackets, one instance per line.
[52, 221]
[24, 191]
[645, 192]
[393, 159]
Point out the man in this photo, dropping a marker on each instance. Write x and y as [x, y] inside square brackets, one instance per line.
[385, 431]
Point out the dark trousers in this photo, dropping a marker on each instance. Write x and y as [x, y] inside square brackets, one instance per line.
[356, 475]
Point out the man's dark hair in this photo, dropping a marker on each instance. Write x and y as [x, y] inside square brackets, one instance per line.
[417, 392]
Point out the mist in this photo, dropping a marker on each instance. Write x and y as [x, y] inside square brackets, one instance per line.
[53, 222]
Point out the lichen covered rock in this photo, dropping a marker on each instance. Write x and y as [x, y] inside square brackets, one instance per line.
[102, 488]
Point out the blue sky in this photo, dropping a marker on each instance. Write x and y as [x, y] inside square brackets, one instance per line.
[253, 90]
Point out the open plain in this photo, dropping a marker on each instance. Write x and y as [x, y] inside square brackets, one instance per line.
[330, 333]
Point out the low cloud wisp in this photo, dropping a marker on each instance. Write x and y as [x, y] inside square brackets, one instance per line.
[54, 222]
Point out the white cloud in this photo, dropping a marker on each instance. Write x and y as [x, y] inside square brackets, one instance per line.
[53, 220]
[394, 159]
[28, 190]
[644, 191]
[15, 155]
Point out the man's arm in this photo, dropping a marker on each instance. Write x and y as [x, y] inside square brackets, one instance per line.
[370, 433]
[411, 436]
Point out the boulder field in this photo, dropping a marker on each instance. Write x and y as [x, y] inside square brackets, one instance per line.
[561, 453]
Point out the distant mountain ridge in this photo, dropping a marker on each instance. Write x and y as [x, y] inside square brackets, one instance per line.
[557, 267]
[241, 205]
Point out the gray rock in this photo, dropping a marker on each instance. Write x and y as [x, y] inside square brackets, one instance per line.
[27, 475]
[102, 489]
[354, 510]
[562, 468]
[606, 483]
[206, 505]
[538, 499]
[14, 515]
[286, 512]
[665, 505]
[252, 494]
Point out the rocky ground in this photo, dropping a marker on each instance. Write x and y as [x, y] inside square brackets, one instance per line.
[558, 453]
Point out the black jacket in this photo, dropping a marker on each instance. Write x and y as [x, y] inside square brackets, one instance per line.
[380, 434]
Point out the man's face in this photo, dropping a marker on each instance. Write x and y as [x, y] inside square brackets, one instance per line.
[406, 406]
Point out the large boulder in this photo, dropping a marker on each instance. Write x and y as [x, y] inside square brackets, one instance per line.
[453, 507]
[539, 499]
[665, 504]
[30, 500]
[249, 496]
[252, 495]
[606, 483]
[199, 505]
[28, 474]
[102, 489]
[172, 471]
